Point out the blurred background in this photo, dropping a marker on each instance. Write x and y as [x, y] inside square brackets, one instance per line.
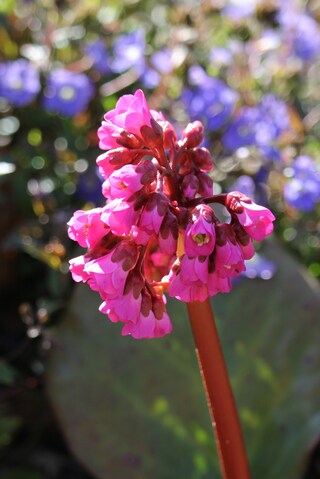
[76, 399]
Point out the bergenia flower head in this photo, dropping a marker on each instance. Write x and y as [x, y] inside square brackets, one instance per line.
[157, 232]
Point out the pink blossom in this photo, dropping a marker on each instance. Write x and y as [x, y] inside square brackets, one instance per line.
[114, 159]
[217, 284]
[168, 235]
[129, 179]
[120, 215]
[229, 261]
[188, 282]
[205, 184]
[125, 308]
[190, 186]
[110, 271]
[153, 213]
[131, 113]
[255, 219]
[200, 236]
[86, 227]
[77, 269]
[148, 326]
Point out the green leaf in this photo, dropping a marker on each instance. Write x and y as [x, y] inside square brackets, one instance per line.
[137, 409]
[6, 6]
[7, 373]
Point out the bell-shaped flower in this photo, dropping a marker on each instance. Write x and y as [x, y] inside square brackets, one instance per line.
[120, 215]
[131, 113]
[129, 179]
[153, 213]
[200, 236]
[168, 234]
[114, 159]
[217, 284]
[255, 219]
[86, 227]
[188, 281]
[110, 271]
[229, 260]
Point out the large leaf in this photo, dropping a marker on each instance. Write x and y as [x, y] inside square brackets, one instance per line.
[137, 409]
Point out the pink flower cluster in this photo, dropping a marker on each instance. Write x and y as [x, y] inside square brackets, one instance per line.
[157, 232]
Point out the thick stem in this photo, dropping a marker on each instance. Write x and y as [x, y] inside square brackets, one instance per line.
[218, 390]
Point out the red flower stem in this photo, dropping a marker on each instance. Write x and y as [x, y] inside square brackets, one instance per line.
[220, 399]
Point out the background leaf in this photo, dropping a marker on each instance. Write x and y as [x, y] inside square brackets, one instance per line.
[137, 409]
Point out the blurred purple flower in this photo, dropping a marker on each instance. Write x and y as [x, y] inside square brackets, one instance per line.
[19, 82]
[259, 126]
[221, 56]
[211, 100]
[303, 189]
[97, 52]
[128, 52]
[259, 267]
[301, 31]
[162, 60]
[67, 93]
[245, 184]
[236, 10]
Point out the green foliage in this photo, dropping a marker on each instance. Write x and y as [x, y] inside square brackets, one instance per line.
[140, 410]
[6, 6]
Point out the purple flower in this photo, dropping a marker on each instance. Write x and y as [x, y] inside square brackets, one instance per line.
[302, 32]
[128, 52]
[19, 82]
[98, 54]
[245, 184]
[259, 267]
[162, 60]
[67, 93]
[259, 126]
[236, 10]
[211, 100]
[303, 190]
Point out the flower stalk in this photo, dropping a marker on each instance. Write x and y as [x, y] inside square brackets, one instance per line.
[222, 407]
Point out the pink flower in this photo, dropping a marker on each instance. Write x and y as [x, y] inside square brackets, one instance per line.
[110, 272]
[120, 215]
[77, 269]
[190, 186]
[188, 281]
[216, 284]
[200, 236]
[114, 159]
[129, 179]
[125, 308]
[153, 213]
[255, 219]
[148, 326]
[244, 240]
[86, 227]
[229, 261]
[205, 184]
[168, 235]
[131, 113]
[153, 321]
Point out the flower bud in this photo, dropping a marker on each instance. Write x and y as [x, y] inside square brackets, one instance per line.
[193, 134]
[205, 184]
[190, 186]
[128, 140]
[202, 159]
[152, 136]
